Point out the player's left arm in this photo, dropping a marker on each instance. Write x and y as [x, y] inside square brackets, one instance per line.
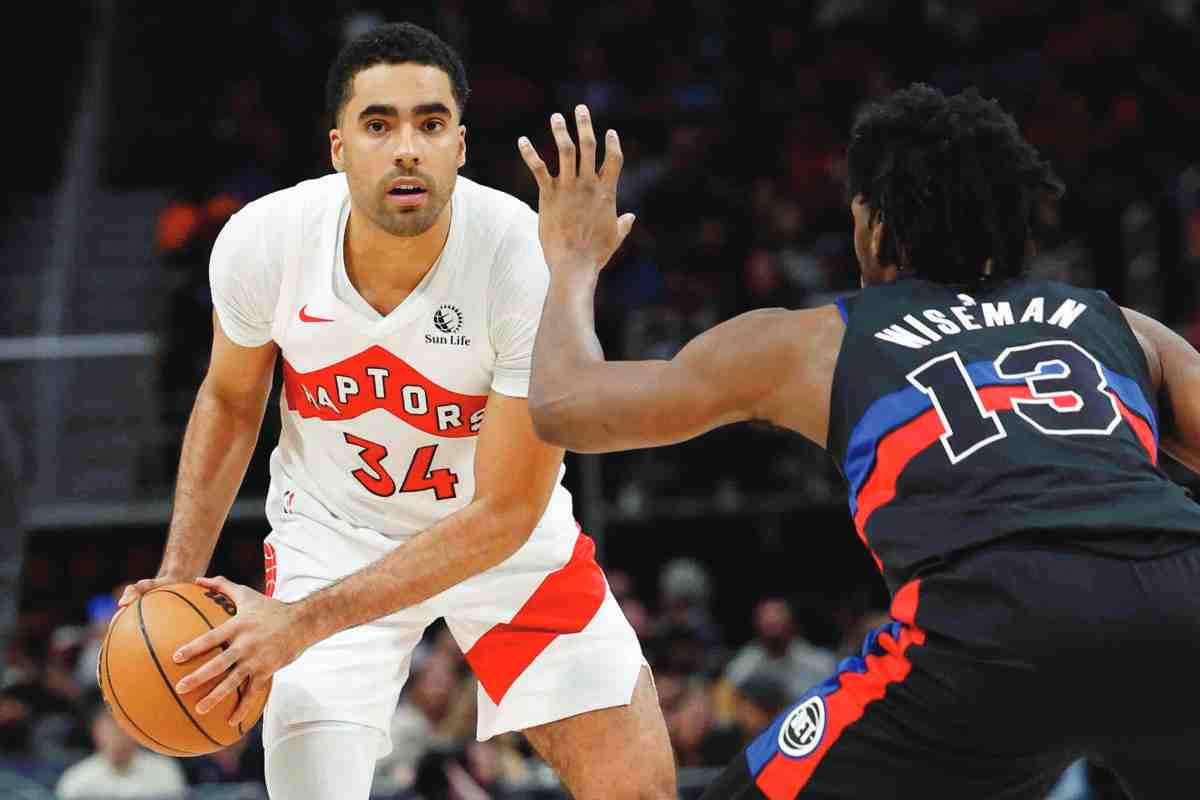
[1175, 372]
[515, 474]
[773, 365]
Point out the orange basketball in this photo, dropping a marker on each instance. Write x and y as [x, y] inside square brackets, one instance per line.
[138, 675]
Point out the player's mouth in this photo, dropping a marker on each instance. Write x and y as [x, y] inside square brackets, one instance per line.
[407, 192]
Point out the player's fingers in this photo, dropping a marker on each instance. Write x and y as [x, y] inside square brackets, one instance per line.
[223, 585]
[587, 141]
[624, 226]
[566, 148]
[135, 590]
[532, 160]
[215, 667]
[610, 170]
[226, 687]
[247, 700]
[205, 642]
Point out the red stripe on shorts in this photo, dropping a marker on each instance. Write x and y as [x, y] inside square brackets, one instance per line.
[782, 778]
[565, 602]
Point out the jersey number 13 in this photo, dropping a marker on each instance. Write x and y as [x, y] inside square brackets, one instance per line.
[1068, 395]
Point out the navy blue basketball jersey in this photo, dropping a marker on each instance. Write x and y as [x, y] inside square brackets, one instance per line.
[963, 416]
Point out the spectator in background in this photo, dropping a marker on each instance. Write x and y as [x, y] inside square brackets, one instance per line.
[777, 645]
[757, 699]
[119, 768]
[685, 590]
[698, 739]
[461, 771]
[100, 610]
[17, 756]
[33, 708]
[424, 706]
[240, 762]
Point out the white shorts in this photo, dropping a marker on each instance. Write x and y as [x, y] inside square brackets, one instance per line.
[541, 630]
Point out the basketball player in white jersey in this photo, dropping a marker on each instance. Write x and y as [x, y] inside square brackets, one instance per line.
[408, 484]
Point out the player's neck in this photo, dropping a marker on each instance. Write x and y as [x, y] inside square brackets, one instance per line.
[385, 268]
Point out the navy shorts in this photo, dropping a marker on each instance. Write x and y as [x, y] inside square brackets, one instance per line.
[995, 674]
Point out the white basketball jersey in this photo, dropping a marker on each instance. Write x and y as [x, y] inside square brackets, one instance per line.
[380, 415]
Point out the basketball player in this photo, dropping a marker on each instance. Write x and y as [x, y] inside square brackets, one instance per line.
[408, 484]
[1000, 437]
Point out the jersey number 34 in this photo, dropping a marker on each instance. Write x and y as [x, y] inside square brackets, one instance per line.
[1066, 395]
[420, 475]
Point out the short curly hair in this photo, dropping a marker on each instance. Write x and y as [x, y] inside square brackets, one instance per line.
[393, 43]
[955, 182]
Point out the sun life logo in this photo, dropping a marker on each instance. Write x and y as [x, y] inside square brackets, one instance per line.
[802, 729]
[448, 319]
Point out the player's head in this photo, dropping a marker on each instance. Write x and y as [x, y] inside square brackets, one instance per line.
[945, 188]
[396, 96]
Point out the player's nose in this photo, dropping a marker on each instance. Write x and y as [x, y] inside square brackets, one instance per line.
[404, 153]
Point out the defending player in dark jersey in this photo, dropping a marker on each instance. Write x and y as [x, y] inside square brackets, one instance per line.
[1000, 438]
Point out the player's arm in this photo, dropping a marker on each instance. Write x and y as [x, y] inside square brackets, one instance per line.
[1175, 369]
[744, 369]
[217, 446]
[228, 411]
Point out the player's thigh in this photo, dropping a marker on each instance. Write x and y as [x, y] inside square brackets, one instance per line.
[354, 676]
[619, 752]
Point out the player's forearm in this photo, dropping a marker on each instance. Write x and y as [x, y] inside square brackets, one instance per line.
[216, 450]
[566, 343]
[475, 538]
[577, 399]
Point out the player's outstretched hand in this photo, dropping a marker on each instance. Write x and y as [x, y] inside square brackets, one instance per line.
[262, 638]
[577, 208]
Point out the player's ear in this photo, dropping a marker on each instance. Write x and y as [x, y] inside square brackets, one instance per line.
[462, 145]
[335, 149]
[876, 235]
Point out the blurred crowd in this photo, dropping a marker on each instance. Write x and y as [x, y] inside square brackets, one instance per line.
[734, 120]
[716, 691]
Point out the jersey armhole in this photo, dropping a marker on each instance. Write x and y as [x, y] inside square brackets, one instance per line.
[843, 310]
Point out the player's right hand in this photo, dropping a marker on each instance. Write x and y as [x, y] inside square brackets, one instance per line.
[577, 208]
[135, 590]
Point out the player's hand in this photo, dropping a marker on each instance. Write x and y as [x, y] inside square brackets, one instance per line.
[135, 590]
[577, 208]
[260, 639]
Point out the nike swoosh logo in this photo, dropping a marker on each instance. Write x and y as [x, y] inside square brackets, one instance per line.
[304, 317]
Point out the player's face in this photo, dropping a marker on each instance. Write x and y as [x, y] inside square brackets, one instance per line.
[868, 235]
[400, 144]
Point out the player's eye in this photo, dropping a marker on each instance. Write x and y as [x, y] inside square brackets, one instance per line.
[433, 125]
[376, 126]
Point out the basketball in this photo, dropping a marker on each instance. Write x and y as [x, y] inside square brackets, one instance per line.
[138, 676]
